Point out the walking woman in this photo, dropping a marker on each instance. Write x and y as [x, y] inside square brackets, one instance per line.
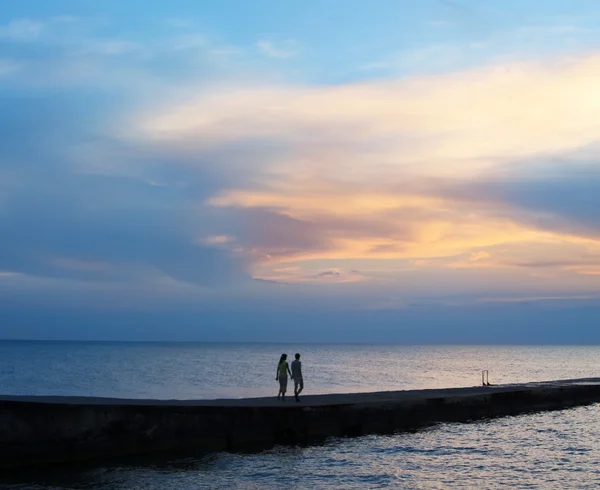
[282, 376]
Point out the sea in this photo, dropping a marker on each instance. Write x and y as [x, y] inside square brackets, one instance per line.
[559, 449]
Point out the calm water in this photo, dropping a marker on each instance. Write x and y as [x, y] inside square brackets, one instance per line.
[180, 371]
[547, 450]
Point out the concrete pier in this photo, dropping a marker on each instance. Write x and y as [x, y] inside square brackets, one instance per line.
[48, 430]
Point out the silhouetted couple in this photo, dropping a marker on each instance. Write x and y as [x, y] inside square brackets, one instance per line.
[282, 376]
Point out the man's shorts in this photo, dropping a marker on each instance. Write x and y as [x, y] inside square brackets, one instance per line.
[298, 382]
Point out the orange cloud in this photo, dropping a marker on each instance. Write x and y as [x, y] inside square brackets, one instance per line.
[354, 163]
[217, 240]
[298, 275]
[389, 226]
[475, 256]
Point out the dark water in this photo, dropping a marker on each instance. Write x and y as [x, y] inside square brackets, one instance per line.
[547, 450]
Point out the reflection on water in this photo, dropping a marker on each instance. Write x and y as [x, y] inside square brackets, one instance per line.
[546, 450]
[163, 370]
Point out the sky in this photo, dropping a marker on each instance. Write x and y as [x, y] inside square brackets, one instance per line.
[342, 171]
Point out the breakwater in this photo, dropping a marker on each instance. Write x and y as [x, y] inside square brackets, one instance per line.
[47, 430]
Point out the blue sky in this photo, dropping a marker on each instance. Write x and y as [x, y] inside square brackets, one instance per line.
[340, 171]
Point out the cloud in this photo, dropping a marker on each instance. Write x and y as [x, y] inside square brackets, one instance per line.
[400, 169]
[79, 265]
[453, 125]
[539, 299]
[21, 30]
[7, 67]
[439, 180]
[283, 50]
[81, 52]
[475, 256]
[348, 224]
[109, 47]
[440, 23]
[217, 240]
[66, 224]
[79, 237]
[309, 276]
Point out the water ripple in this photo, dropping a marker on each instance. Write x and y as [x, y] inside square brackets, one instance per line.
[554, 450]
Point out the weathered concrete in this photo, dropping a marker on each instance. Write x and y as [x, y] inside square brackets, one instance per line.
[45, 430]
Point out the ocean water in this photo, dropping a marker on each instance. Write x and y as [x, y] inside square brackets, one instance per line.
[206, 370]
[558, 449]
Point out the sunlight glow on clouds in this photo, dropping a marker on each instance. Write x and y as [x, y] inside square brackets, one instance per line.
[154, 157]
[450, 125]
[397, 169]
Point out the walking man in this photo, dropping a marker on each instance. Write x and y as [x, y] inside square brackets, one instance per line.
[297, 376]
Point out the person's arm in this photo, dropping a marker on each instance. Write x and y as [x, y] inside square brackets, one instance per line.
[300, 369]
[277, 373]
[288, 368]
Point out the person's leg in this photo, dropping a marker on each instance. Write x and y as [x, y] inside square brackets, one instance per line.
[301, 387]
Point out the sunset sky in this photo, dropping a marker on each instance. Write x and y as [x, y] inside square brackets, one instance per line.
[407, 171]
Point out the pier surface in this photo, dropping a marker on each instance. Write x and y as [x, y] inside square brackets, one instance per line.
[39, 430]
